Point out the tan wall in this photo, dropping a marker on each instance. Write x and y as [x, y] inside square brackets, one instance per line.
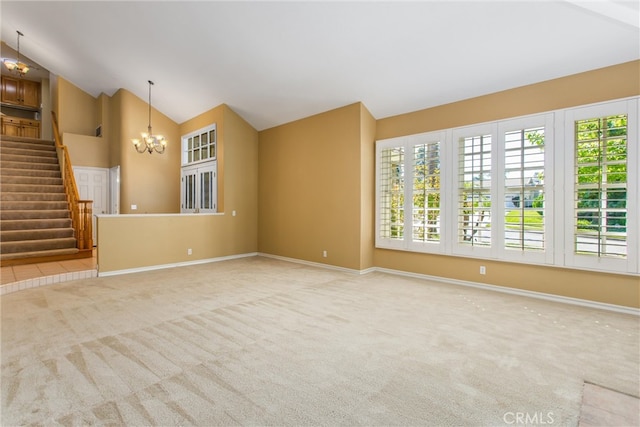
[150, 181]
[595, 86]
[239, 179]
[76, 109]
[215, 115]
[87, 150]
[367, 190]
[113, 129]
[137, 241]
[310, 188]
[104, 120]
[46, 132]
[605, 84]
[237, 166]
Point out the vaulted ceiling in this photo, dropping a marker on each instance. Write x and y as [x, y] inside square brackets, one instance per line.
[274, 62]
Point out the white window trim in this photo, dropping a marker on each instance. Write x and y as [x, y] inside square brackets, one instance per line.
[631, 262]
[183, 146]
[380, 241]
[197, 168]
[542, 257]
[559, 182]
[407, 143]
[412, 141]
[457, 134]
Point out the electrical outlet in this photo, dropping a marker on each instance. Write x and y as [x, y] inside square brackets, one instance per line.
[324, 254]
[483, 269]
[189, 251]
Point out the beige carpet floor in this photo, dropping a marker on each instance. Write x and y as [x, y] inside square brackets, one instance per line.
[258, 341]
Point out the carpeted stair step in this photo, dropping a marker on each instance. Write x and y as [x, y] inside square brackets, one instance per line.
[43, 173]
[21, 205]
[27, 151]
[45, 144]
[31, 180]
[22, 158]
[30, 188]
[34, 212]
[37, 245]
[42, 145]
[32, 215]
[29, 165]
[38, 234]
[36, 223]
[38, 254]
[24, 140]
[35, 197]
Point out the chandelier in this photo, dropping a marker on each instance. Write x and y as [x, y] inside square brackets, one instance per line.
[150, 142]
[16, 66]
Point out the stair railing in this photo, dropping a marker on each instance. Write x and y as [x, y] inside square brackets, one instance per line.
[81, 210]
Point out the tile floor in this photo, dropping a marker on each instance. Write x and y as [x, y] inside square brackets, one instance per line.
[20, 277]
[604, 407]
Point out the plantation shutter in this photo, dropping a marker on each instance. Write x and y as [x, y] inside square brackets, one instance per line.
[426, 192]
[474, 190]
[391, 193]
[600, 191]
[524, 166]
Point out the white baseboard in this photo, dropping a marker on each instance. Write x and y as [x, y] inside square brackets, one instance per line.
[176, 264]
[495, 288]
[521, 292]
[315, 264]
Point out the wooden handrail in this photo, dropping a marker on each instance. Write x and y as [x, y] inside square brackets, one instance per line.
[81, 210]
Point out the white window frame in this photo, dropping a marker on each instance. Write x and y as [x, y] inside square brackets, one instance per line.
[460, 248]
[199, 171]
[199, 168]
[631, 262]
[547, 255]
[208, 131]
[407, 143]
[558, 189]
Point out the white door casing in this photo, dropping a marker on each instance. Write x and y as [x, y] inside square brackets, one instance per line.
[93, 184]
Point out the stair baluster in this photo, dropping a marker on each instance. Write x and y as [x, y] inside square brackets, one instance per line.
[81, 210]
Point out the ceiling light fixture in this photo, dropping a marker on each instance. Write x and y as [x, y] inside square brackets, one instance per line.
[150, 142]
[14, 65]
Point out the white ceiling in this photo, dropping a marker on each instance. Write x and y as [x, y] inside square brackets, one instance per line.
[274, 62]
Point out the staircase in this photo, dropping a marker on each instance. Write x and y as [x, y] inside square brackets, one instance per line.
[35, 221]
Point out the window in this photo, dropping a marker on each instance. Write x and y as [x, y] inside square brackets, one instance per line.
[559, 188]
[199, 188]
[199, 146]
[409, 183]
[426, 192]
[391, 195]
[526, 150]
[199, 171]
[474, 190]
[604, 181]
[524, 169]
[601, 186]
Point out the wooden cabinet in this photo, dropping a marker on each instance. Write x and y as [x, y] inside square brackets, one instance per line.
[25, 93]
[15, 126]
[30, 128]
